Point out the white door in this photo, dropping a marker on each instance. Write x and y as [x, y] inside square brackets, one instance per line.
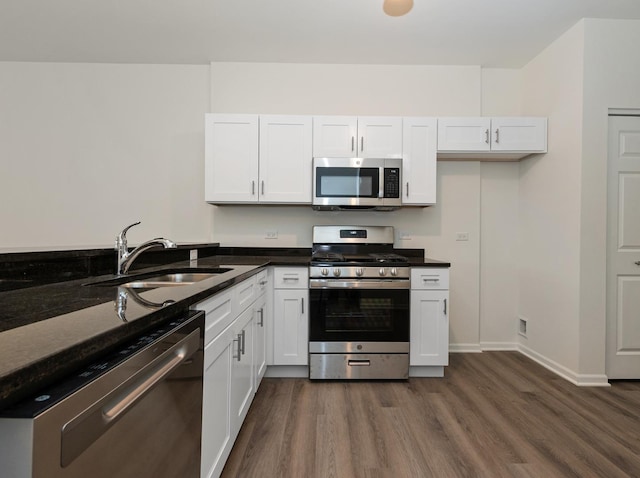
[419, 160]
[290, 327]
[623, 249]
[231, 158]
[335, 136]
[464, 134]
[519, 134]
[379, 137]
[285, 159]
[429, 327]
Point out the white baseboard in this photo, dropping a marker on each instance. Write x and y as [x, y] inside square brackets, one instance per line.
[498, 346]
[581, 380]
[465, 348]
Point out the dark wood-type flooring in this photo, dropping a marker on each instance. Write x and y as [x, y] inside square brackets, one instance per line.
[495, 414]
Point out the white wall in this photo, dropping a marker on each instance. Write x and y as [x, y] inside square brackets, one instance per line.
[88, 148]
[499, 292]
[401, 91]
[549, 205]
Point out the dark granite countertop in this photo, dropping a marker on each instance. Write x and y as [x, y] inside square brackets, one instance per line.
[51, 330]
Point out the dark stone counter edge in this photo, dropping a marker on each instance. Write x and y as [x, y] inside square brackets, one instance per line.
[22, 383]
[26, 381]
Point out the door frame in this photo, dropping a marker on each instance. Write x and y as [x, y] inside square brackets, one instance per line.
[611, 295]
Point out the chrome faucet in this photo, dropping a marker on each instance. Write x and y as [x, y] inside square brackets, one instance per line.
[126, 258]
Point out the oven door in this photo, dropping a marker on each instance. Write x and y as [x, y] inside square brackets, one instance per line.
[359, 316]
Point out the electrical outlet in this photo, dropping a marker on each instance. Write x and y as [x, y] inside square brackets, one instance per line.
[462, 236]
[271, 235]
[405, 236]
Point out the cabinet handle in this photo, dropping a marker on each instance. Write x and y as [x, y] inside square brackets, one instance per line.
[253, 187]
[486, 135]
[295, 278]
[263, 187]
[361, 143]
[497, 135]
[302, 304]
[262, 282]
[426, 279]
[637, 263]
[445, 307]
[261, 323]
[243, 338]
[407, 189]
[239, 350]
[353, 143]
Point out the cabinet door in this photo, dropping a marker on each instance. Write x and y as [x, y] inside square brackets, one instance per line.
[231, 158]
[285, 159]
[335, 136]
[519, 134]
[290, 327]
[242, 378]
[464, 134]
[379, 137]
[216, 409]
[429, 328]
[260, 339]
[419, 160]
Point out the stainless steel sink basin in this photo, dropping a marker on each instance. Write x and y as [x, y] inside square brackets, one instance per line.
[162, 278]
[174, 279]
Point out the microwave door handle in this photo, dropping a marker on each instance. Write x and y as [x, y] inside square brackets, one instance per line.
[381, 184]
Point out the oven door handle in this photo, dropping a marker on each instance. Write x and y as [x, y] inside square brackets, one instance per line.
[359, 284]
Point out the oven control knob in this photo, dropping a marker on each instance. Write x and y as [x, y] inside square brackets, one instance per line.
[324, 272]
[382, 271]
[394, 271]
[359, 271]
[336, 272]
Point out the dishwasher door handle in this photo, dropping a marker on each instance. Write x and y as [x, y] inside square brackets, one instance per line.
[80, 432]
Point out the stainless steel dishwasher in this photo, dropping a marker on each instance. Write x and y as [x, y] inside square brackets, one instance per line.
[135, 413]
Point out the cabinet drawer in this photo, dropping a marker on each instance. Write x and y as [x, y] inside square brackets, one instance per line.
[429, 278]
[262, 280]
[291, 278]
[220, 310]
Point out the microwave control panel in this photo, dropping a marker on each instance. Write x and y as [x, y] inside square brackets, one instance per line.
[391, 182]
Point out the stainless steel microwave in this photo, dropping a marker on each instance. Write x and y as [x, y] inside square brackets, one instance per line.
[357, 183]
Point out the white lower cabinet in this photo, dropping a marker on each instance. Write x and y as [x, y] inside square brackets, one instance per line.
[260, 338]
[216, 409]
[291, 316]
[242, 378]
[234, 363]
[429, 317]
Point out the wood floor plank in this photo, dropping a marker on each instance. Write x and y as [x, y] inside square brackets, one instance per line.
[495, 414]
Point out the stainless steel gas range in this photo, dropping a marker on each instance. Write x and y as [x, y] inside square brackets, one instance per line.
[359, 314]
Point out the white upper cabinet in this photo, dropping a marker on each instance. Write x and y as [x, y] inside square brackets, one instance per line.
[350, 136]
[258, 159]
[519, 134]
[285, 159]
[419, 136]
[231, 158]
[491, 138]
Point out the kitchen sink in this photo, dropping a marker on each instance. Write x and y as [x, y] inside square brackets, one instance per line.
[162, 278]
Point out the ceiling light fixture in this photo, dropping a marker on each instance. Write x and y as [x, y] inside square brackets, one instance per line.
[397, 8]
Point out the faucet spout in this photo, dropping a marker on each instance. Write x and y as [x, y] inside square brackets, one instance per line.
[126, 258]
